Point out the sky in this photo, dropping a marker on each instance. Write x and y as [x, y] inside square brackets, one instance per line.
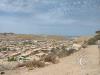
[54, 17]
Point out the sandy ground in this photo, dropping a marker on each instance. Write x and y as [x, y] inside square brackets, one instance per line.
[84, 62]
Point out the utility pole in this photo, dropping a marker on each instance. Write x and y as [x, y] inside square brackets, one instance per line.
[98, 43]
[99, 50]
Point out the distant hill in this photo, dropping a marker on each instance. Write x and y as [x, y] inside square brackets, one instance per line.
[13, 36]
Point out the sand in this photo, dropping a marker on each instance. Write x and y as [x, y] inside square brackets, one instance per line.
[84, 62]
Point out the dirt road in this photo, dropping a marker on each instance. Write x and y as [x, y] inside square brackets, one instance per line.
[84, 62]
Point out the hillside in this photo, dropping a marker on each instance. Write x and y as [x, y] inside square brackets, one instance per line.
[13, 36]
[69, 65]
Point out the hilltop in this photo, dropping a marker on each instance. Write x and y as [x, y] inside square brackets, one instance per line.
[13, 36]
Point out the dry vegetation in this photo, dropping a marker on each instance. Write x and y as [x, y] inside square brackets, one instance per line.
[51, 58]
[93, 40]
[32, 64]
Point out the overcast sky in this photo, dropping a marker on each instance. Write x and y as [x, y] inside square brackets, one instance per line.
[61, 17]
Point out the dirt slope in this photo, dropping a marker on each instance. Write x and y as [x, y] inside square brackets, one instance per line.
[84, 62]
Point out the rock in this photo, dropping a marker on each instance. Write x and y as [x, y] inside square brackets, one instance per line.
[2, 73]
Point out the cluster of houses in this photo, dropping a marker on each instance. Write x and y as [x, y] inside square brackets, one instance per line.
[32, 49]
[28, 48]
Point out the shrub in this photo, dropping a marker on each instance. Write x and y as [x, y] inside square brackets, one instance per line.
[20, 65]
[23, 58]
[97, 37]
[12, 59]
[51, 58]
[32, 64]
[92, 41]
[71, 51]
[3, 49]
[63, 52]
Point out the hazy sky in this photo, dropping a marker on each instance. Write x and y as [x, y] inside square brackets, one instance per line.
[63, 17]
